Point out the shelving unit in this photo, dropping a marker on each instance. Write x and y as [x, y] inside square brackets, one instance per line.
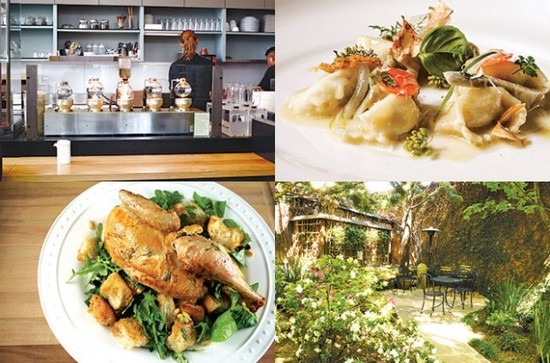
[155, 45]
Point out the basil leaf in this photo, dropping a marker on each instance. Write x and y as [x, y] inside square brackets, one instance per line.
[239, 256]
[165, 199]
[243, 317]
[444, 48]
[224, 327]
[210, 206]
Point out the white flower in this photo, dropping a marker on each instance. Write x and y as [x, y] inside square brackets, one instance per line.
[314, 305]
[306, 337]
[349, 360]
[292, 320]
[394, 353]
[355, 327]
[337, 346]
[353, 274]
[317, 350]
[299, 289]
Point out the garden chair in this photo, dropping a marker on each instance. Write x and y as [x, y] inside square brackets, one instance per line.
[464, 269]
[468, 287]
[430, 291]
[405, 280]
[446, 271]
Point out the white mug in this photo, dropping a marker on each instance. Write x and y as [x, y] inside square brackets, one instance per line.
[63, 151]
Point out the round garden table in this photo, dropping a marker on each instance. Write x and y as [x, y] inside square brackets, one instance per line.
[447, 282]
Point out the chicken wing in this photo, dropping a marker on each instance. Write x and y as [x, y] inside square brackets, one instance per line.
[211, 261]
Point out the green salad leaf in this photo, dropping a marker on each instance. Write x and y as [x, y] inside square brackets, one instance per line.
[210, 206]
[153, 323]
[444, 48]
[224, 327]
[165, 199]
[243, 317]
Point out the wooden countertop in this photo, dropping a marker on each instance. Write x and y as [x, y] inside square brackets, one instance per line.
[27, 211]
[138, 167]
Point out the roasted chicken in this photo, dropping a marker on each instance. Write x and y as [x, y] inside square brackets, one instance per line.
[145, 241]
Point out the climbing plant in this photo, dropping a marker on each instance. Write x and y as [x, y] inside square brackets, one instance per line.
[354, 237]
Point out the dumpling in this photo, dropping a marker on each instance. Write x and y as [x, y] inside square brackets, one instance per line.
[479, 114]
[386, 121]
[380, 47]
[327, 96]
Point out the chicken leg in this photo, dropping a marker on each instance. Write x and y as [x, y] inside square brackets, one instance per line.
[210, 260]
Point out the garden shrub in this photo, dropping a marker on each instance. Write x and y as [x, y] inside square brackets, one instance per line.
[486, 349]
[336, 313]
[354, 237]
[501, 321]
[542, 328]
[511, 341]
[508, 296]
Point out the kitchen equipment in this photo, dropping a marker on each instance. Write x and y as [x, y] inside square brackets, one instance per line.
[181, 91]
[153, 94]
[124, 67]
[64, 97]
[94, 24]
[121, 19]
[124, 96]
[83, 24]
[63, 151]
[104, 24]
[95, 94]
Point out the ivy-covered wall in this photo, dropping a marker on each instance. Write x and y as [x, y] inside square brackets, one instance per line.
[504, 245]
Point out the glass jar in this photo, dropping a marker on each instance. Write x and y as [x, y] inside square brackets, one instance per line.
[64, 97]
[182, 88]
[83, 24]
[95, 94]
[124, 96]
[153, 94]
[94, 24]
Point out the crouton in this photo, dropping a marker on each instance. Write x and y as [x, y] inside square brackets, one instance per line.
[167, 307]
[183, 334]
[196, 312]
[101, 310]
[216, 306]
[88, 249]
[190, 213]
[192, 229]
[129, 334]
[219, 232]
[115, 290]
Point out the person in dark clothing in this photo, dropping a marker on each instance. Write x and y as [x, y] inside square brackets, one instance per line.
[194, 68]
[269, 74]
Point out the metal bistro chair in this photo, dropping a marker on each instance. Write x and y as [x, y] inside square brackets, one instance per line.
[430, 291]
[467, 287]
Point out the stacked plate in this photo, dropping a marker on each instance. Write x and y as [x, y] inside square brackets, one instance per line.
[250, 24]
[269, 23]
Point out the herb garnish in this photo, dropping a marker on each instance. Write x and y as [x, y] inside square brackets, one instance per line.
[527, 66]
[165, 199]
[210, 206]
[387, 79]
[385, 32]
[354, 50]
[417, 143]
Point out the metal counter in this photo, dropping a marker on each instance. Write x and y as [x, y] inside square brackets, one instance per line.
[83, 123]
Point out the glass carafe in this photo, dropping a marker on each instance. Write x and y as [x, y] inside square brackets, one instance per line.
[124, 96]
[153, 94]
[64, 97]
[181, 91]
[95, 94]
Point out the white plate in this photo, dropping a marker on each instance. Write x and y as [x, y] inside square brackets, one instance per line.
[63, 303]
[306, 152]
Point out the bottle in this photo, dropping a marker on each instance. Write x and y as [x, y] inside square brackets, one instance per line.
[101, 49]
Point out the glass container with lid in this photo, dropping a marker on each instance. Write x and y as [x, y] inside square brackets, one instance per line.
[95, 94]
[182, 89]
[153, 94]
[64, 96]
[125, 96]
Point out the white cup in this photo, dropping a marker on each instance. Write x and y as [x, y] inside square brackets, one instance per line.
[63, 151]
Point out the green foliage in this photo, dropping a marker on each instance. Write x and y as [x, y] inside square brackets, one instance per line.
[471, 319]
[508, 296]
[444, 48]
[511, 341]
[508, 196]
[486, 349]
[153, 323]
[210, 206]
[287, 272]
[542, 329]
[285, 189]
[354, 237]
[501, 321]
[165, 199]
[353, 194]
[336, 313]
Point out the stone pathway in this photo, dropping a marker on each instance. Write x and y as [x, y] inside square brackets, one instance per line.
[448, 334]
